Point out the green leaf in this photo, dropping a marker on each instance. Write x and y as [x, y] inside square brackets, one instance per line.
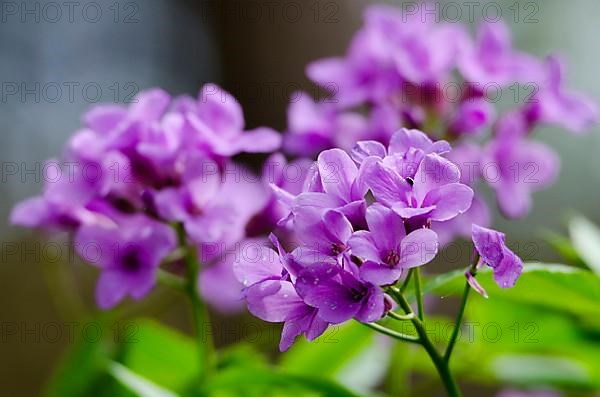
[540, 370]
[139, 385]
[545, 323]
[586, 239]
[270, 382]
[83, 369]
[557, 287]
[327, 355]
[564, 247]
[161, 354]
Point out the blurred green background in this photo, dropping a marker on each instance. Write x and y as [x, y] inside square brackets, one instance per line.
[259, 58]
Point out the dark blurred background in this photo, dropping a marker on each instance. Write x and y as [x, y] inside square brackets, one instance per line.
[58, 59]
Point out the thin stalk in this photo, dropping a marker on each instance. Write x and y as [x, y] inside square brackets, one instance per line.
[393, 334]
[204, 341]
[419, 293]
[171, 280]
[438, 361]
[457, 323]
[407, 281]
[401, 317]
[461, 311]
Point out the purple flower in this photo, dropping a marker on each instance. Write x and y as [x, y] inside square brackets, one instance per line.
[434, 194]
[405, 152]
[472, 117]
[129, 256]
[217, 282]
[322, 235]
[460, 226]
[515, 168]
[367, 73]
[493, 251]
[313, 127]
[492, 60]
[553, 104]
[335, 183]
[339, 295]
[386, 250]
[219, 120]
[271, 296]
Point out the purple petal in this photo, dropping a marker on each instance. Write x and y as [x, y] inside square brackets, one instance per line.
[449, 201]
[378, 273]
[387, 185]
[260, 140]
[149, 105]
[274, 301]
[418, 248]
[338, 173]
[221, 111]
[366, 149]
[489, 243]
[373, 307]
[104, 118]
[33, 212]
[475, 284]
[111, 289]
[387, 228]
[508, 270]
[256, 263]
[336, 303]
[434, 172]
[364, 246]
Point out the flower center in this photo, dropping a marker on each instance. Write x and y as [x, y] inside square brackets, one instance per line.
[337, 249]
[392, 258]
[131, 261]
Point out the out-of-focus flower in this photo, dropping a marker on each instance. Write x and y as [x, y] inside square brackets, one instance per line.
[163, 160]
[129, 255]
[515, 167]
[553, 104]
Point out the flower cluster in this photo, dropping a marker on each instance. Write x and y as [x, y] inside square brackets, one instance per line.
[403, 71]
[131, 173]
[361, 222]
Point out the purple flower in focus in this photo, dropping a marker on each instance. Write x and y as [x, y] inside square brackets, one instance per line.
[493, 251]
[386, 250]
[435, 193]
[334, 184]
[324, 237]
[340, 295]
[129, 256]
[271, 296]
[553, 104]
[405, 152]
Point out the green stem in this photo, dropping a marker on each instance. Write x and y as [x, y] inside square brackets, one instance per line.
[392, 333]
[401, 317]
[457, 324]
[438, 361]
[204, 341]
[171, 280]
[419, 293]
[407, 281]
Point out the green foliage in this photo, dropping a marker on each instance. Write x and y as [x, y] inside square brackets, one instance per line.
[586, 241]
[544, 331]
